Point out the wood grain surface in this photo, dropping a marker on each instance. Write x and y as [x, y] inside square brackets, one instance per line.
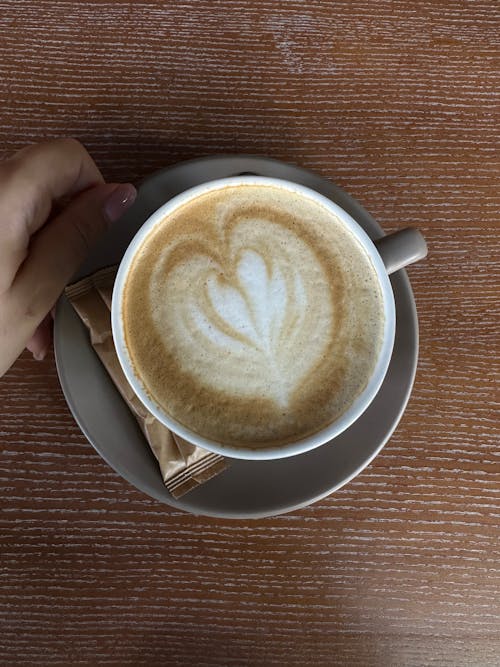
[397, 103]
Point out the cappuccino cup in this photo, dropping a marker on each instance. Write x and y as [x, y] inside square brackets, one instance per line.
[255, 318]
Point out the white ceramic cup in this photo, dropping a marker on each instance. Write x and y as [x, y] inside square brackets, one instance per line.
[387, 255]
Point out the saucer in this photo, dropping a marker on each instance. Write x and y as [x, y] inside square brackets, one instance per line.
[247, 489]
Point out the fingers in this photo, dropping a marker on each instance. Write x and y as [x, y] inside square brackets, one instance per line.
[60, 247]
[30, 182]
[40, 341]
[55, 253]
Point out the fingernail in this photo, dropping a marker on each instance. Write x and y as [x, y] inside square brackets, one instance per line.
[40, 355]
[122, 198]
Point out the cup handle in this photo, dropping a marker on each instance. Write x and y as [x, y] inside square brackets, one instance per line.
[401, 248]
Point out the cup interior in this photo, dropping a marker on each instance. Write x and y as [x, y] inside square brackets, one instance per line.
[326, 434]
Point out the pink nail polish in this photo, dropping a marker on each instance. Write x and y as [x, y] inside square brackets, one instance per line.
[39, 356]
[122, 197]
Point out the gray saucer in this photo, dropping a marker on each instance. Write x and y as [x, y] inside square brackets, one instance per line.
[248, 489]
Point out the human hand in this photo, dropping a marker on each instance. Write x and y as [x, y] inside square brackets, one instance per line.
[41, 247]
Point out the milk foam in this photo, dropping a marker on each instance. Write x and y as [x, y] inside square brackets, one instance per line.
[253, 316]
[238, 323]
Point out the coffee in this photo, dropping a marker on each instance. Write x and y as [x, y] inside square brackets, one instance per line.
[252, 316]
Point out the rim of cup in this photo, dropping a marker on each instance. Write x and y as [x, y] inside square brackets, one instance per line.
[323, 435]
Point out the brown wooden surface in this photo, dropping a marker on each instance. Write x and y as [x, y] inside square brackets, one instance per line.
[395, 102]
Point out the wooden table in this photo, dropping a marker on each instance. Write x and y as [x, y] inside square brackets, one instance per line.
[393, 101]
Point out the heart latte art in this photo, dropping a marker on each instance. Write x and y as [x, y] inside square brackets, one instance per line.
[245, 311]
[252, 316]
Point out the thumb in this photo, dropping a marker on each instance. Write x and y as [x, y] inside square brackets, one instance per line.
[57, 250]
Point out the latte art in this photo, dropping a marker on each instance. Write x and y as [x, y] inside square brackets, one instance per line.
[240, 319]
[249, 318]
